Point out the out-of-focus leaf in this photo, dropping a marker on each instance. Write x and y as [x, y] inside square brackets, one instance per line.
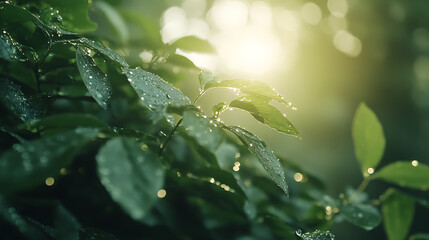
[74, 15]
[368, 138]
[154, 91]
[29, 164]
[20, 104]
[69, 120]
[265, 113]
[219, 108]
[10, 49]
[13, 13]
[95, 80]
[265, 156]
[131, 175]
[109, 53]
[193, 44]
[181, 61]
[279, 228]
[204, 78]
[249, 87]
[115, 24]
[406, 174]
[420, 236]
[316, 235]
[217, 175]
[95, 234]
[398, 212]
[363, 215]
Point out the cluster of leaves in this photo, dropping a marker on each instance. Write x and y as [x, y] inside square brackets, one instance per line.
[93, 144]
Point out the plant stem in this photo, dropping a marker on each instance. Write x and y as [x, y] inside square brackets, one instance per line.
[360, 189]
[39, 63]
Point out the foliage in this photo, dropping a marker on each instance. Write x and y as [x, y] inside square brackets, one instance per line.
[97, 148]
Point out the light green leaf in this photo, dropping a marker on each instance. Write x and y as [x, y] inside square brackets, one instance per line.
[204, 78]
[131, 175]
[194, 44]
[316, 235]
[406, 174]
[265, 113]
[9, 49]
[398, 212]
[265, 156]
[109, 53]
[420, 236]
[250, 87]
[219, 108]
[29, 164]
[20, 104]
[363, 215]
[154, 91]
[368, 138]
[95, 80]
[74, 15]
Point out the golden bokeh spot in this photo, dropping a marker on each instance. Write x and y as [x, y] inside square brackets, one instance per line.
[161, 193]
[49, 181]
[415, 163]
[298, 177]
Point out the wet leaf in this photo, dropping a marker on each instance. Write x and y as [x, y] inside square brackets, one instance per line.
[363, 215]
[219, 108]
[316, 235]
[265, 156]
[368, 138]
[13, 13]
[406, 174]
[109, 53]
[95, 80]
[265, 113]
[250, 87]
[398, 212]
[10, 49]
[95, 234]
[18, 103]
[29, 164]
[132, 176]
[154, 91]
[204, 78]
[194, 44]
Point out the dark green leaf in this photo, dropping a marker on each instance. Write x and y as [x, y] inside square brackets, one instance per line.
[316, 235]
[68, 120]
[194, 44]
[181, 61]
[132, 176]
[109, 53]
[265, 113]
[406, 174]
[9, 49]
[368, 138]
[13, 13]
[29, 164]
[249, 87]
[363, 215]
[20, 104]
[154, 91]
[95, 234]
[219, 108]
[420, 236]
[265, 156]
[74, 15]
[204, 78]
[95, 80]
[398, 212]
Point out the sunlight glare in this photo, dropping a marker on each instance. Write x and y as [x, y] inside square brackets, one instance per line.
[227, 14]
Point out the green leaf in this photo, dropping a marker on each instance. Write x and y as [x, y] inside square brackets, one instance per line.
[194, 44]
[398, 212]
[116, 27]
[181, 61]
[219, 108]
[265, 113]
[154, 91]
[132, 176]
[68, 120]
[20, 104]
[250, 87]
[95, 234]
[109, 53]
[420, 236]
[265, 156]
[15, 14]
[406, 174]
[95, 80]
[74, 15]
[29, 164]
[204, 78]
[316, 235]
[9, 49]
[368, 138]
[363, 215]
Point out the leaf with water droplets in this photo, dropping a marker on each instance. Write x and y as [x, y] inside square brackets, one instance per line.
[95, 234]
[265, 113]
[154, 91]
[131, 175]
[316, 235]
[250, 87]
[109, 53]
[398, 212]
[20, 104]
[363, 215]
[194, 44]
[265, 156]
[10, 49]
[95, 80]
[368, 138]
[406, 174]
[219, 108]
[29, 164]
